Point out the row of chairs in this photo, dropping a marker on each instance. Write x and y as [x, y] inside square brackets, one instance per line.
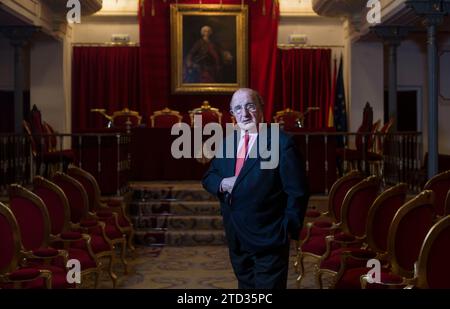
[59, 220]
[362, 224]
[164, 118]
[167, 117]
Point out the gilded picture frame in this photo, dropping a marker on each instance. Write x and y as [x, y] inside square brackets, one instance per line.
[208, 48]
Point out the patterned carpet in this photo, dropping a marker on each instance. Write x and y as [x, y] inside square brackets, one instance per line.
[186, 220]
[188, 268]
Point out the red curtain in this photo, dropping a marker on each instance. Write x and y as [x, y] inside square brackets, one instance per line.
[306, 82]
[103, 77]
[155, 57]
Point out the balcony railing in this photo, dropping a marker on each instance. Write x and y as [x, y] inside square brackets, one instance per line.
[395, 157]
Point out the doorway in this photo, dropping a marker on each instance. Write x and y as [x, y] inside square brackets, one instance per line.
[409, 108]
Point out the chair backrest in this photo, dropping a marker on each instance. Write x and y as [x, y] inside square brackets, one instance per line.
[89, 184]
[439, 184]
[76, 195]
[385, 129]
[56, 202]
[433, 268]
[338, 191]
[357, 202]
[37, 129]
[365, 127]
[34, 145]
[381, 214]
[289, 118]
[447, 203]
[209, 114]
[165, 118]
[50, 139]
[10, 242]
[31, 215]
[407, 232]
[124, 118]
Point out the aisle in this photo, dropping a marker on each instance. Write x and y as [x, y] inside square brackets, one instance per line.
[200, 267]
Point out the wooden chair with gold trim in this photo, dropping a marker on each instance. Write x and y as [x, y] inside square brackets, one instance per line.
[12, 273]
[345, 233]
[97, 204]
[289, 119]
[432, 268]
[208, 113]
[62, 235]
[44, 142]
[84, 221]
[411, 224]
[324, 223]
[126, 119]
[165, 118]
[439, 184]
[447, 203]
[34, 225]
[339, 262]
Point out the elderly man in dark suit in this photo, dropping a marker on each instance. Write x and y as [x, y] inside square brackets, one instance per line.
[262, 208]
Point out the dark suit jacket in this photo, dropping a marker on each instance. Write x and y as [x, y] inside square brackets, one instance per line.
[265, 205]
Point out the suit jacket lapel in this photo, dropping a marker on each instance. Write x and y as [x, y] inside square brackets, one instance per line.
[230, 163]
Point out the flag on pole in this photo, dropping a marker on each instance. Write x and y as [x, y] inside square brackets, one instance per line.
[330, 111]
[340, 111]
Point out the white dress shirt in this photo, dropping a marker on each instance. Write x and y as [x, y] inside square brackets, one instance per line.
[251, 141]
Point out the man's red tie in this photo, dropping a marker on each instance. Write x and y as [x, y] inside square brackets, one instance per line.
[242, 155]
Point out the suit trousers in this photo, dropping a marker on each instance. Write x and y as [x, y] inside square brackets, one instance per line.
[258, 270]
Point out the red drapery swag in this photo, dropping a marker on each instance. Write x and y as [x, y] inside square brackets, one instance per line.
[306, 82]
[155, 57]
[103, 77]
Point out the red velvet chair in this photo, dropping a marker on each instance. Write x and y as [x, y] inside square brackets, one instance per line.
[439, 184]
[96, 205]
[41, 142]
[209, 114]
[324, 222]
[411, 224]
[126, 119]
[61, 230]
[12, 274]
[90, 223]
[34, 224]
[433, 269]
[289, 119]
[352, 227]
[447, 203]
[165, 118]
[379, 218]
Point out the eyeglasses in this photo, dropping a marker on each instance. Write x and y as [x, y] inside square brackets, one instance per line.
[250, 107]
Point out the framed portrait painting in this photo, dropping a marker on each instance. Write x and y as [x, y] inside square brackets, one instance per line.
[208, 48]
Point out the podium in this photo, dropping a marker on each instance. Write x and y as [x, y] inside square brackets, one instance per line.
[105, 153]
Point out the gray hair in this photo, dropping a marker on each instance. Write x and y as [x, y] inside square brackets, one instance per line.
[204, 28]
[253, 93]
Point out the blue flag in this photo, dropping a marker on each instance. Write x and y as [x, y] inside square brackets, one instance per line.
[340, 112]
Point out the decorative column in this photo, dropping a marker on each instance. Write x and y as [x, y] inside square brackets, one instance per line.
[19, 37]
[433, 12]
[392, 37]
